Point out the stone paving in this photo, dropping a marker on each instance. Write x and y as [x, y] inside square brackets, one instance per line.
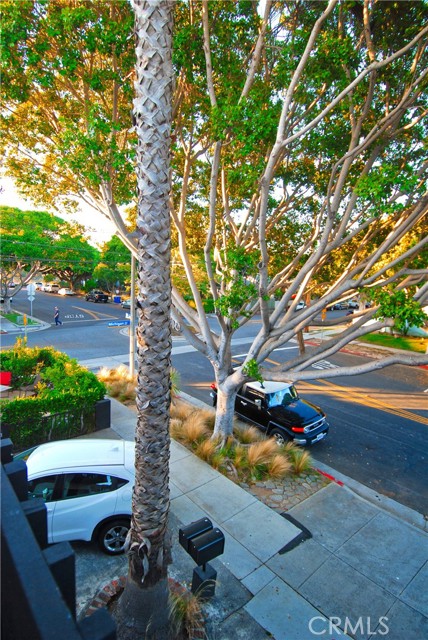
[284, 494]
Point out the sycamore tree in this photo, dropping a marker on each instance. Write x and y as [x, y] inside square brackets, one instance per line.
[37, 243]
[298, 161]
[311, 158]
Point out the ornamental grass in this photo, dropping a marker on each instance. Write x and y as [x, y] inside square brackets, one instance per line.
[248, 456]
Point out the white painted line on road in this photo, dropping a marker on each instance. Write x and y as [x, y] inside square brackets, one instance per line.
[243, 355]
[324, 364]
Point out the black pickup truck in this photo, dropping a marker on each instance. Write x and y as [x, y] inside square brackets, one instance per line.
[96, 296]
[276, 409]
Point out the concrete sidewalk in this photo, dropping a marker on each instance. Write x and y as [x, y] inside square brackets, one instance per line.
[362, 573]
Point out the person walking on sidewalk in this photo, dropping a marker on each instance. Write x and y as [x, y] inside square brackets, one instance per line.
[56, 316]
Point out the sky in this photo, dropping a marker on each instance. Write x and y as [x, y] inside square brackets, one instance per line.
[99, 231]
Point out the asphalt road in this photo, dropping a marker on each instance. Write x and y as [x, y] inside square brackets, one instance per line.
[378, 422]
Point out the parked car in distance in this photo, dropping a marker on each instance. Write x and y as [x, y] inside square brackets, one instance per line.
[126, 304]
[96, 296]
[11, 285]
[51, 287]
[39, 286]
[66, 292]
[353, 304]
[300, 305]
[86, 485]
[339, 306]
[277, 410]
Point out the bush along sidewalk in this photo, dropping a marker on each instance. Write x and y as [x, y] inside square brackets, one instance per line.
[52, 396]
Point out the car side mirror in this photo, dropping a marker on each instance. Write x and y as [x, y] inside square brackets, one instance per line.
[258, 404]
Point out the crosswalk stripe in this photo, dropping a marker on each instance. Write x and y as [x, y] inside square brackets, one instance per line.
[324, 364]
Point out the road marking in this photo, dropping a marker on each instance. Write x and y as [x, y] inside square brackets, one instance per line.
[244, 355]
[94, 314]
[367, 401]
[362, 398]
[324, 364]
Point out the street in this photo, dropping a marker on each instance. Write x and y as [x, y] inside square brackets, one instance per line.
[378, 421]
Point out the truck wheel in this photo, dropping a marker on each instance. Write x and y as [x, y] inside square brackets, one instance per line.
[280, 437]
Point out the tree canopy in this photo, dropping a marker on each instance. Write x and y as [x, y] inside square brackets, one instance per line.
[67, 91]
[37, 242]
[114, 266]
[298, 155]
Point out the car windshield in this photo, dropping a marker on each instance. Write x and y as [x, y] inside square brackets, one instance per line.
[282, 397]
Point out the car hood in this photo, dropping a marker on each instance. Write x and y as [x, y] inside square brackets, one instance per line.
[300, 412]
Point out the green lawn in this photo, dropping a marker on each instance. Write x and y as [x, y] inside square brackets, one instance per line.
[17, 318]
[407, 343]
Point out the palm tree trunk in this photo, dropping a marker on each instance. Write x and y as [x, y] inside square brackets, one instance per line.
[143, 606]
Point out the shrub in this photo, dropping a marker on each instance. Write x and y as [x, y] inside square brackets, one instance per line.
[67, 379]
[247, 435]
[65, 395]
[115, 375]
[181, 410]
[186, 614]
[192, 430]
[261, 452]
[278, 466]
[120, 384]
[301, 460]
[23, 362]
[206, 450]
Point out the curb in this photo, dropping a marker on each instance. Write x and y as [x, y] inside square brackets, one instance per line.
[394, 508]
[104, 595]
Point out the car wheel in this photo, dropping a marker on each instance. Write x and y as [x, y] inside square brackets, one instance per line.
[280, 437]
[112, 536]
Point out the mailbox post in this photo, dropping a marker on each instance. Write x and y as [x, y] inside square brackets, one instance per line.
[203, 542]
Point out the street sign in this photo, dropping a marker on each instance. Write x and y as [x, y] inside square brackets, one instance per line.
[121, 323]
[31, 290]
[31, 298]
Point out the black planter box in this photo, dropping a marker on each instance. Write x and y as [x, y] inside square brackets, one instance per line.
[102, 414]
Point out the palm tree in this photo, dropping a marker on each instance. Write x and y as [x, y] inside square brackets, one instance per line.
[143, 607]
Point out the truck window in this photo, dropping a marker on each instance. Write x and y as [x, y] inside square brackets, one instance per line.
[253, 395]
[282, 397]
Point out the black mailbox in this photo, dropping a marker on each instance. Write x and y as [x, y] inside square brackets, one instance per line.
[207, 546]
[197, 528]
[203, 543]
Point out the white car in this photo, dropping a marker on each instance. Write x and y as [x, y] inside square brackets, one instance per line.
[51, 287]
[65, 292]
[87, 488]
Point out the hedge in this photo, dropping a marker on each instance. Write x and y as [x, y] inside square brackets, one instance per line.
[66, 394]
